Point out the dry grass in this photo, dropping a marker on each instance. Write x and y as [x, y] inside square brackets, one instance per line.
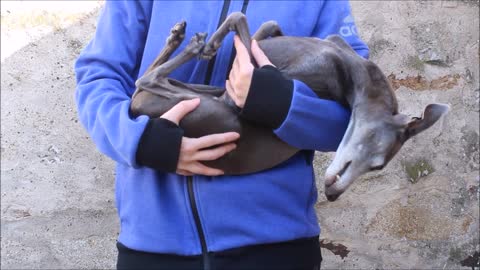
[55, 14]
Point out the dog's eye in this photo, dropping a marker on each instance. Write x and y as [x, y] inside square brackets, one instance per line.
[377, 168]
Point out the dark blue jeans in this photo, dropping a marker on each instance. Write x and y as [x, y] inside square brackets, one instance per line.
[292, 255]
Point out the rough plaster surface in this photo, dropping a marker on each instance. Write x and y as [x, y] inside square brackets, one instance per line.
[421, 212]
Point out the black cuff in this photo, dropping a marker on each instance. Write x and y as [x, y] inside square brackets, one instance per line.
[159, 146]
[269, 97]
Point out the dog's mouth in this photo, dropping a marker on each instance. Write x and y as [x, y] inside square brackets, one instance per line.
[333, 187]
[343, 170]
[332, 193]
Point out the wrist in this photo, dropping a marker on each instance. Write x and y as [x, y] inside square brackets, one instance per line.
[269, 97]
[159, 146]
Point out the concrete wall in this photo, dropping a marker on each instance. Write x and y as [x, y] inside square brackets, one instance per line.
[422, 211]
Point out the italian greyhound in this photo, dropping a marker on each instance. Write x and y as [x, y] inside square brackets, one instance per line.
[330, 67]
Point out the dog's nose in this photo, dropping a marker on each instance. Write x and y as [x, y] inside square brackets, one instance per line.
[332, 197]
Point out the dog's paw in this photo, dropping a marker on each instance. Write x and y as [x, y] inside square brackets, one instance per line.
[177, 34]
[210, 50]
[197, 43]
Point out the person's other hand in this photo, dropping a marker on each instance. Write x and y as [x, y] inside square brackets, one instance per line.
[240, 76]
[192, 150]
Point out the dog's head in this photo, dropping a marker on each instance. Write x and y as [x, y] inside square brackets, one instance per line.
[370, 145]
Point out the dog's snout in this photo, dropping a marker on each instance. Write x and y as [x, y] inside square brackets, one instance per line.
[330, 180]
[342, 171]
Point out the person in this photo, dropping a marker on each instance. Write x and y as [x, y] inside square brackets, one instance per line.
[175, 212]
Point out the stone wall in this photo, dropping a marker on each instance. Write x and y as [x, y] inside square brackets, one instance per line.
[421, 212]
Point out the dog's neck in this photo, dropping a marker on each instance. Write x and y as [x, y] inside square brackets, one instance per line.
[369, 87]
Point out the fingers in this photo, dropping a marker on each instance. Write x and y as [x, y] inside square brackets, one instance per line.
[259, 55]
[240, 76]
[243, 57]
[198, 168]
[179, 111]
[231, 91]
[184, 172]
[235, 65]
[242, 53]
[215, 153]
[215, 139]
[192, 152]
[232, 75]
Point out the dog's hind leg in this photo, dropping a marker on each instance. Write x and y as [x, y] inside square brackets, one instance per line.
[177, 34]
[266, 30]
[159, 73]
[156, 93]
[235, 22]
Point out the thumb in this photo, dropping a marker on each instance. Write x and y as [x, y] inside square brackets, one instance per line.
[259, 56]
[179, 111]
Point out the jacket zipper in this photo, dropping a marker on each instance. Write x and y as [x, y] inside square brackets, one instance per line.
[191, 193]
[198, 223]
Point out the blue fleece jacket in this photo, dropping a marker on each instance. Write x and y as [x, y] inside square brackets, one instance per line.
[154, 208]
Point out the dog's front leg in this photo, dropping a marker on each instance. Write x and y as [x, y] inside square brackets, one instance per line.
[235, 22]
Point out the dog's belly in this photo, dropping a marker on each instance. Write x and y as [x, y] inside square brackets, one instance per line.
[257, 149]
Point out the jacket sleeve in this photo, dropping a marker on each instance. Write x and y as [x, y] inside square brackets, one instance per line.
[105, 72]
[297, 115]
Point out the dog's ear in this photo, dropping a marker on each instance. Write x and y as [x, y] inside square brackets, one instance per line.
[431, 114]
[376, 75]
[376, 82]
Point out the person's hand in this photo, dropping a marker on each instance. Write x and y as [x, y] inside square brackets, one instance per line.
[192, 149]
[240, 76]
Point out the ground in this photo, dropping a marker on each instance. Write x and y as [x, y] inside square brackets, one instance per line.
[421, 212]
